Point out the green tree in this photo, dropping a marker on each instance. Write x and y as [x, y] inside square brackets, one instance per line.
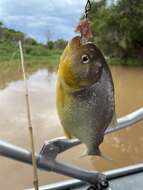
[60, 44]
[1, 24]
[1, 29]
[30, 41]
[118, 29]
[50, 45]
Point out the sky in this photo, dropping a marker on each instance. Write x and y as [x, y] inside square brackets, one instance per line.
[42, 19]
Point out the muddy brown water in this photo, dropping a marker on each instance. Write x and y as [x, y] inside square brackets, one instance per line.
[124, 147]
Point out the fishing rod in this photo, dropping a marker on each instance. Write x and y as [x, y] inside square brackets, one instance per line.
[34, 161]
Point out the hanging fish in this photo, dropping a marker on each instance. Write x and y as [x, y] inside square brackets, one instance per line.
[85, 94]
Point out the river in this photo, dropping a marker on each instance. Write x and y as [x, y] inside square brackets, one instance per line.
[124, 147]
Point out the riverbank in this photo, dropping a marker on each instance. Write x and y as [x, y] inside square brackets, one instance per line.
[40, 56]
[132, 62]
[12, 61]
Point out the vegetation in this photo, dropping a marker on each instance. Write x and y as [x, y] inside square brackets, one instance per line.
[36, 54]
[118, 30]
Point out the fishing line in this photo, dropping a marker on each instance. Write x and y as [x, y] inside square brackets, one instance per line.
[87, 8]
[12, 56]
[34, 161]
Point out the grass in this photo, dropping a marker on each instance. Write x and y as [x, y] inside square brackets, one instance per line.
[11, 62]
[36, 56]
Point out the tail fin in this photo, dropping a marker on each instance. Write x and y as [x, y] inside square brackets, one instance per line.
[88, 152]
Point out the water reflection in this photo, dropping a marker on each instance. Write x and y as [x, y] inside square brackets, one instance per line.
[124, 147]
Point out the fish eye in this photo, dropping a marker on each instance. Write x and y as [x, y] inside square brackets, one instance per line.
[85, 58]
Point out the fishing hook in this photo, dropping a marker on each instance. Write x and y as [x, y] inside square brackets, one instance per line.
[87, 8]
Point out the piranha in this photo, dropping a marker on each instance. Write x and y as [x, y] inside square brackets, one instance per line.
[85, 94]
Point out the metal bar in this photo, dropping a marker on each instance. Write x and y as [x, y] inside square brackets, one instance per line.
[64, 185]
[14, 152]
[67, 184]
[112, 174]
[127, 121]
[120, 172]
[22, 155]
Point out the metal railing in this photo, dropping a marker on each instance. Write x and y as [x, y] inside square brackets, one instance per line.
[46, 159]
[111, 176]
